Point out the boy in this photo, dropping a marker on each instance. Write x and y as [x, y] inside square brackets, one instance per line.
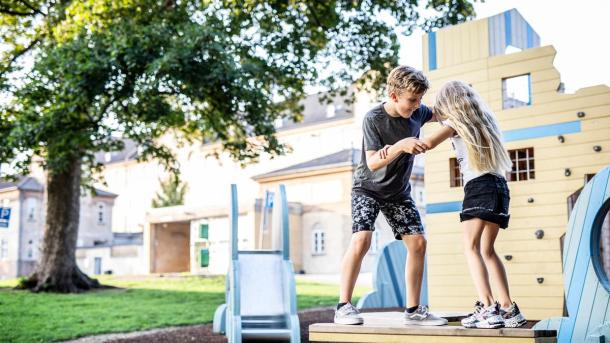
[381, 182]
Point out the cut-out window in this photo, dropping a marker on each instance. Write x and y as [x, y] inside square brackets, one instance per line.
[516, 91]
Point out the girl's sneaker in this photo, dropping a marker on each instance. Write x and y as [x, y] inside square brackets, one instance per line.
[513, 318]
[484, 317]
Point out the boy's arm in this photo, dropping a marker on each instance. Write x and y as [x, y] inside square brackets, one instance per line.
[438, 137]
[383, 157]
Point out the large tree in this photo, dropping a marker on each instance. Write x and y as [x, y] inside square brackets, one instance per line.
[77, 74]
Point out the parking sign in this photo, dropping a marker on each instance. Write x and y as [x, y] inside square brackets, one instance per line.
[5, 216]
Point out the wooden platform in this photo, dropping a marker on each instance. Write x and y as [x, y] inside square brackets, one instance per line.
[389, 327]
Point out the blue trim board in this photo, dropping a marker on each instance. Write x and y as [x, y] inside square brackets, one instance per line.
[507, 29]
[441, 207]
[542, 131]
[530, 36]
[432, 51]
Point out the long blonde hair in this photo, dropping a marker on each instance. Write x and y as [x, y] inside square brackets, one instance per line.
[462, 106]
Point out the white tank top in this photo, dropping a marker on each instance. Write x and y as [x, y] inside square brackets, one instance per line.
[461, 154]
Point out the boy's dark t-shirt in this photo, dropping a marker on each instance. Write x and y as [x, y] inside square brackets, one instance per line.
[390, 183]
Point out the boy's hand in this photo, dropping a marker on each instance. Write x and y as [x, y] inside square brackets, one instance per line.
[413, 146]
[383, 153]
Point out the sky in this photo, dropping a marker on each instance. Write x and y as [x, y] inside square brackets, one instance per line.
[578, 30]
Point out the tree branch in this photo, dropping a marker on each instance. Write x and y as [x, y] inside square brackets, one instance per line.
[28, 5]
[15, 13]
[19, 54]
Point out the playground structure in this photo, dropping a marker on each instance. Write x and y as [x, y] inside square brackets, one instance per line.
[260, 286]
[389, 280]
[586, 283]
[587, 290]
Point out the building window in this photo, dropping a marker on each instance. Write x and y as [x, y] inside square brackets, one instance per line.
[516, 91]
[101, 213]
[318, 241]
[455, 176]
[31, 209]
[523, 165]
[330, 111]
[3, 249]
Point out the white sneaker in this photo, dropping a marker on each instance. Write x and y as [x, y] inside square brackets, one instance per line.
[513, 318]
[484, 317]
[348, 315]
[422, 316]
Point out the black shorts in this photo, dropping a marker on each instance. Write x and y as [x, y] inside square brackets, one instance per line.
[402, 216]
[486, 197]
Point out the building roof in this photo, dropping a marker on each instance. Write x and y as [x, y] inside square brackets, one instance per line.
[343, 158]
[317, 111]
[128, 153]
[24, 183]
[347, 157]
[29, 183]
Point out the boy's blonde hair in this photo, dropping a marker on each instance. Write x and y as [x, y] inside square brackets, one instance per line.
[405, 78]
[462, 106]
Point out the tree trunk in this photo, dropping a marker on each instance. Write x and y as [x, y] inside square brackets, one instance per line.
[57, 270]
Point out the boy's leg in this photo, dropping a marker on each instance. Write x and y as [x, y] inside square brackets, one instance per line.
[414, 268]
[406, 226]
[352, 260]
[364, 212]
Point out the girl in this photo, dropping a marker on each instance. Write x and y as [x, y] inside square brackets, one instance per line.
[477, 141]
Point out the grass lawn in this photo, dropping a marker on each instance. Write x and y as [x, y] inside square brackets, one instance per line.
[140, 303]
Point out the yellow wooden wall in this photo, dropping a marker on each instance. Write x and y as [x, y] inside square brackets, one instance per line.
[450, 285]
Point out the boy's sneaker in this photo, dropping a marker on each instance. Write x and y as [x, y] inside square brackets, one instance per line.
[484, 317]
[421, 316]
[348, 314]
[513, 317]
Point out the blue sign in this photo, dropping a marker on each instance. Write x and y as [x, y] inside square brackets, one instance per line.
[5, 215]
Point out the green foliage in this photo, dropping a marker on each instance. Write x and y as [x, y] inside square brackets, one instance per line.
[199, 70]
[172, 192]
[140, 304]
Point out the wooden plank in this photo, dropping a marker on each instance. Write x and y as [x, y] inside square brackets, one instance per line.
[392, 323]
[507, 235]
[515, 246]
[514, 268]
[515, 279]
[583, 317]
[439, 156]
[391, 338]
[521, 257]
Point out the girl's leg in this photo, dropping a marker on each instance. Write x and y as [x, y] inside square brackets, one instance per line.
[494, 264]
[473, 230]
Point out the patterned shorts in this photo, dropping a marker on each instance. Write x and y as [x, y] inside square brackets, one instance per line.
[402, 216]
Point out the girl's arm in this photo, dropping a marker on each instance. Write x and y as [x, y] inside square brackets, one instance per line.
[438, 137]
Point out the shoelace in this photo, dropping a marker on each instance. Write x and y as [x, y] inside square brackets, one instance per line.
[424, 310]
[348, 309]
